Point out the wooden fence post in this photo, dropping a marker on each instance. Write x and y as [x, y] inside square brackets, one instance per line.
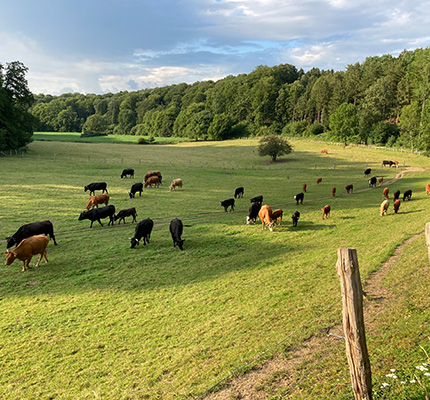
[353, 323]
[428, 238]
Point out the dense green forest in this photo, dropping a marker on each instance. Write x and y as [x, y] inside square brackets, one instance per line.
[381, 101]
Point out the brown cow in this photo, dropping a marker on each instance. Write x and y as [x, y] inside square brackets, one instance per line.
[333, 191]
[151, 173]
[384, 207]
[97, 199]
[152, 180]
[27, 249]
[396, 205]
[427, 189]
[324, 151]
[326, 211]
[175, 183]
[319, 180]
[380, 180]
[277, 216]
[265, 215]
[349, 188]
[304, 187]
[385, 193]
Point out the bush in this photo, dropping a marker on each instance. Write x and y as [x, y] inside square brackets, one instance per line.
[295, 129]
[92, 134]
[314, 129]
[142, 140]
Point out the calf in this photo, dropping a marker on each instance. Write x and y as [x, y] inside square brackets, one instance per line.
[254, 208]
[96, 214]
[333, 191]
[152, 180]
[384, 208]
[238, 192]
[129, 172]
[136, 187]
[304, 188]
[228, 203]
[326, 211]
[349, 188]
[380, 180]
[265, 215]
[257, 199]
[396, 205]
[319, 180]
[129, 212]
[372, 181]
[27, 230]
[92, 187]
[143, 230]
[427, 189]
[28, 248]
[324, 151]
[396, 195]
[176, 229]
[385, 193]
[407, 195]
[295, 217]
[277, 216]
[175, 183]
[97, 199]
[367, 171]
[299, 197]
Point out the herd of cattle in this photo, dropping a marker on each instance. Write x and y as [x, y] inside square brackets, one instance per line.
[31, 239]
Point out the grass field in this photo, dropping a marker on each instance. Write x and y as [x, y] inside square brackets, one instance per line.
[101, 320]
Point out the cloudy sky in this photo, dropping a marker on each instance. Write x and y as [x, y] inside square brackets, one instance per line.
[94, 46]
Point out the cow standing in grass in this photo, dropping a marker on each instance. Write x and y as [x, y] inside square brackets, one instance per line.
[349, 188]
[326, 211]
[176, 228]
[97, 199]
[129, 212]
[92, 187]
[238, 192]
[384, 208]
[254, 208]
[295, 217]
[96, 214]
[385, 193]
[299, 198]
[142, 231]
[228, 203]
[28, 230]
[265, 215]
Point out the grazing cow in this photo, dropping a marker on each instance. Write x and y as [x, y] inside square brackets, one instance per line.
[143, 230]
[254, 208]
[304, 188]
[367, 171]
[372, 181]
[176, 229]
[153, 173]
[324, 151]
[27, 230]
[136, 187]
[326, 211]
[129, 172]
[92, 187]
[333, 191]
[152, 180]
[396, 195]
[299, 197]
[396, 206]
[257, 199]
[407, 195]
[427, 189]
[319, 180]
[389, 163]
[28, 248]
[175, 183]
[380, 180]
[349, 188]
[265, 215]
[97, 199]
[129, 212]
[238, 192]
[385, 193]
[384, 208]
[277, 216]
[295, 217]
[97, 214]
[228, 203]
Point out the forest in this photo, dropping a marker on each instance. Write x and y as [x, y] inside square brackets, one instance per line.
[381, 101]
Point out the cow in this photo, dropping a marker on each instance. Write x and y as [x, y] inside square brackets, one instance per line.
[385, 193]
[277, 216]
[367, 171]
[176, 229]
[324, 151]
[152, 180]
[92, 187]
[228, 203]
[396, 206]
[238, 192]
[295, 217]
[407, 195]
[254, 208]
[326, 211]
[97, 214]
[427, 189]
[299, 197]
[257, 199]
[384, 208]
[305, 186]
[136, 187]
[333, 191]
[28, 248]
[97, 199]
[153, 173]
[380, 180]
[129, 212]
[27, 230]
[389, 163]
[129, 172]
[175, 183]
[349, 188]
[319, 180]
[265, 215]
[143, 230]
[396, 195]
[372, 181]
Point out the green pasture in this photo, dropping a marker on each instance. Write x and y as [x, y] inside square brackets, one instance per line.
[101, 320]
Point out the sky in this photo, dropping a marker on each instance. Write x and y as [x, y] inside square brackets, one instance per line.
[94, 46]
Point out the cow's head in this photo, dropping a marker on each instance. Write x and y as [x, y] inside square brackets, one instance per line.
[10, 257]
[85, 188]
[134, 242]
[270, 226]
[248, 220]
[81, 216]
[10, 241]
[181, 243]
[131, 195]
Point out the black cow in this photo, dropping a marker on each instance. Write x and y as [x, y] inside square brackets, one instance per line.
[372, 181]
[176, 229]
[396, 195]
[92, 187]
[257, 199]
[160, 178]
[136, 187]
[407, 195]
[295, 217]
[228, 203]
[28, 230]
[143, 230]
[254, 208]
[125, 172]
[96, 214]
[238, 192]
[129, 212]
[299, 197]
[367, 171]
[387, 162]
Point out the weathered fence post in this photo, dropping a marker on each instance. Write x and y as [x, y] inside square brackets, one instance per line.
[428, 238]
[353, 323]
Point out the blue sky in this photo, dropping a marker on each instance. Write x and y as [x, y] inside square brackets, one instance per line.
[93, 46]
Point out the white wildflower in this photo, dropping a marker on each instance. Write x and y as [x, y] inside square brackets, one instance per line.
[421, 368]
[391, 376]
[403, 382]
[412, 381]
[427, 373]
[385, 384]
[393, 370]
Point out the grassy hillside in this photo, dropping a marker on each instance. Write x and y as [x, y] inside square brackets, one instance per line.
[103, 320]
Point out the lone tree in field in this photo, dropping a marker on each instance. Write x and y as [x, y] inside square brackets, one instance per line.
[274, 146]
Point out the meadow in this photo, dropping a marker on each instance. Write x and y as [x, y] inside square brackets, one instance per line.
[101, 320]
